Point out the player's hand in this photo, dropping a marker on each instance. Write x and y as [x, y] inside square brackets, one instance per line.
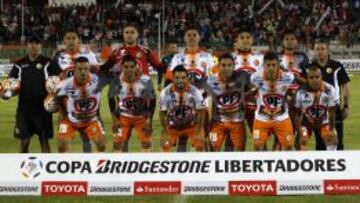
[148, 128]
[345, 113]
[115, 126]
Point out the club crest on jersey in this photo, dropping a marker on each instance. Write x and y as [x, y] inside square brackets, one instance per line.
[229, 99]
[328, 70]
[39, 66]
[138, 55]
[85, 105]
[273, 101]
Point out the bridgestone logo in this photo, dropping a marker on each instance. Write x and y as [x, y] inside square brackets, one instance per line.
[19, 189]
[110, 189]
[204, 188]
[300, 188]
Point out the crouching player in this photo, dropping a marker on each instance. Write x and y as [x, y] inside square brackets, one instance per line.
[134, 105]
[272, 114]
[227, 91]
[182, 112]
[315, 105]
[79, 98]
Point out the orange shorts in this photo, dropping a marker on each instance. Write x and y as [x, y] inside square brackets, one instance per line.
[127, 124]
[174, 135]
[91, 129]
[324, 133]
[236, 131]
[282, 129]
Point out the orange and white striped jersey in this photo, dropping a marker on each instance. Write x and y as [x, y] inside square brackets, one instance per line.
[66, 61]
[82, 101]
[271, 101]
[228, 98]
[134, 98]
[315, 105]
[181, 107]
[295, 63]
[198, 64]
[248, 61]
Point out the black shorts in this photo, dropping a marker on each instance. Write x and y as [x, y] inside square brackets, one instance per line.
[28, 124]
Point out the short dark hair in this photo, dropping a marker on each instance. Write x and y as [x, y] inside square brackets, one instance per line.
[179, 68]
[246, 29]
[128, 58]
[34, 39]
[81, 59]
[70, 30]
[312, 67]
[226, 56]
[321, 41]
[134, 25]
[270, 55]
[192, 27]
[288, 32]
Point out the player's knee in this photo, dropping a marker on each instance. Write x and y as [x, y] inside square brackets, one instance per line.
[146, 145]
[101, 147]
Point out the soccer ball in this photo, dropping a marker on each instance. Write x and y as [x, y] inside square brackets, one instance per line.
[51, 84]
[31, 167]
[50, 104]
[11, 86]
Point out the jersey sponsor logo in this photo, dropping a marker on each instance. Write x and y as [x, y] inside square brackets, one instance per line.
[134, 103]
[342, 186]
[195, 74]
[72, 188]
[85, 105]
[157, 188]
[316, 113]
[273, 101]
[181, 112]
[252, 188]
[229, 99]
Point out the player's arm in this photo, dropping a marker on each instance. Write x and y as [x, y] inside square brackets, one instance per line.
[165, 136]
[345, 95]
[109, 63]
[153, 59]
[150, 94]
[200, 112]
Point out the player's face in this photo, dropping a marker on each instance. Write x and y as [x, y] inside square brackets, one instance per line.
[131, 35]
[173, 48]
[244, 41]
[321, 51]
[180, 80]
[81, 71]
[271, 68]
[226, 67]
[71, 41]
[130, 70]
[192, 38]
[33, 48]
[314, 79]
[290, 42]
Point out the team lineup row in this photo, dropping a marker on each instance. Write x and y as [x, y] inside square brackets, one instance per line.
[205, 102]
